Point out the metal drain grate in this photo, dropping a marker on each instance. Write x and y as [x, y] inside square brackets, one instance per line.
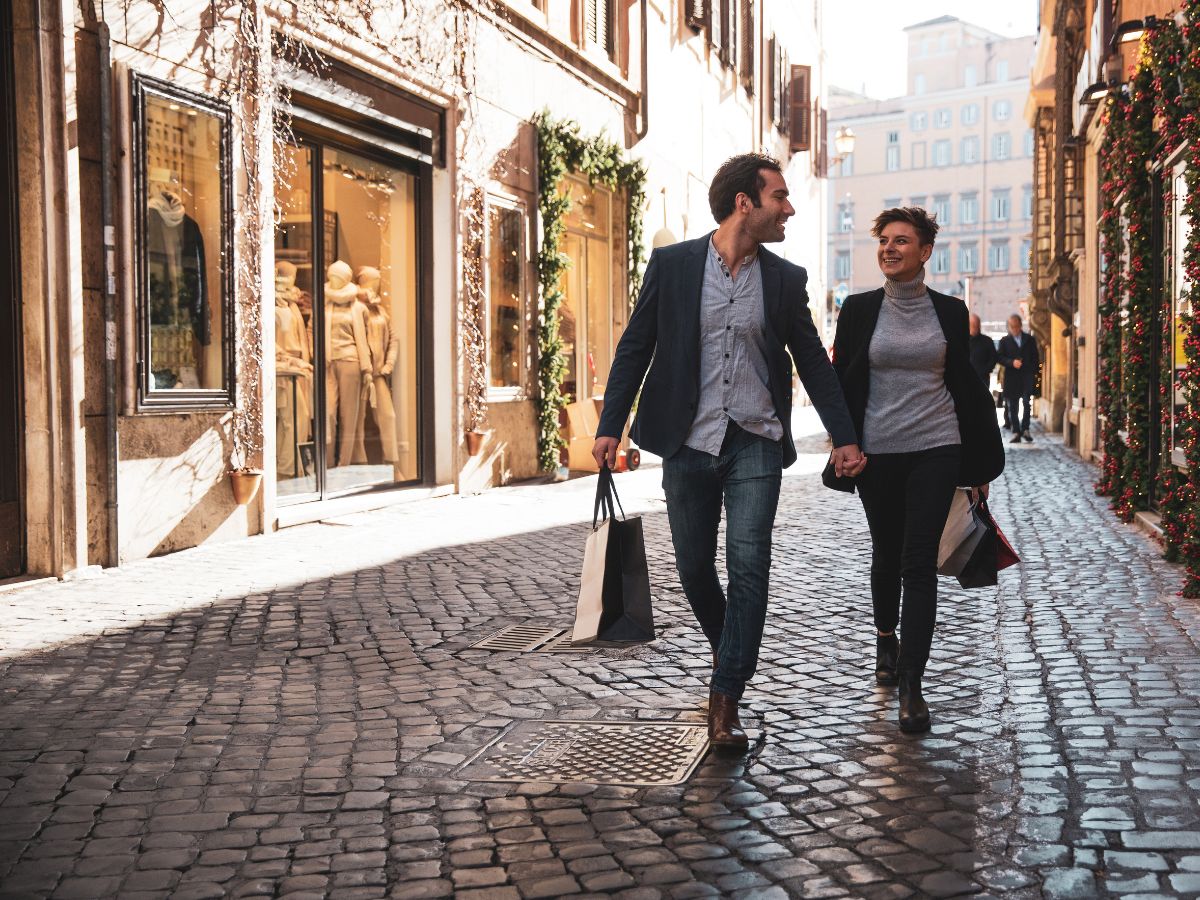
[562, 644]
[637, 754]
[530, 638]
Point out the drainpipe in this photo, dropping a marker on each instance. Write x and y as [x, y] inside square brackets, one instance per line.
[113, 556]
[644, 125]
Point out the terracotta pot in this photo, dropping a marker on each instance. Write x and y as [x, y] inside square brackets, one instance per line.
[474, 442]
[245, 485]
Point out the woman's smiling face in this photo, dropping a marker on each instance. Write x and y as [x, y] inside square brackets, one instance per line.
[901, 254]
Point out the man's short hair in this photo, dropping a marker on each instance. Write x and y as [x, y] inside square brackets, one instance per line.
[922, 222]
[741, 174]
[1015, 316]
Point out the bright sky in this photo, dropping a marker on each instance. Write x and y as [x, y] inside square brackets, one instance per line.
[865, 42]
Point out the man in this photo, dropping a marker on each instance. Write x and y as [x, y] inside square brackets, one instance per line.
[1019, 356]
[982, 350]
[711, 325]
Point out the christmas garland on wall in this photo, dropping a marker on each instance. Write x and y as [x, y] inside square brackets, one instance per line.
[1144, 129]
[563, 150]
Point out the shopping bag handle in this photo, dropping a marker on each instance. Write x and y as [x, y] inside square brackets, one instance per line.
[606, 494]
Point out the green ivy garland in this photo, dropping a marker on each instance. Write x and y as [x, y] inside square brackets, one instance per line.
[562, 150]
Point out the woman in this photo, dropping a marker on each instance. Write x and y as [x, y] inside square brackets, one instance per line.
[927, 425]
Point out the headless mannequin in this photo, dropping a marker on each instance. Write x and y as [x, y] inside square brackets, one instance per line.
[348, 369]
[293, 367]
[384, 345]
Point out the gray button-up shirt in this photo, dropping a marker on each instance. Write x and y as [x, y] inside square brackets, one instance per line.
[734, 379]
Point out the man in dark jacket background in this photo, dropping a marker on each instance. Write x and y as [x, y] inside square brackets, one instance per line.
[711, 335]
[1021, 360]
[982, 350]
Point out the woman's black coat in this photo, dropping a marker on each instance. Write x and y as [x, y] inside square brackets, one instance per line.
[982, 448]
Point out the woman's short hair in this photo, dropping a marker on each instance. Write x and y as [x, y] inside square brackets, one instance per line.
[922, 222]
[739, 175]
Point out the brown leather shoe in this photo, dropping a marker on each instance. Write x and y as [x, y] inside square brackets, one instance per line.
[724, 728]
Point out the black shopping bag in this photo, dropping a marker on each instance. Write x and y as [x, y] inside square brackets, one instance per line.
[993, 553]
[614, 590]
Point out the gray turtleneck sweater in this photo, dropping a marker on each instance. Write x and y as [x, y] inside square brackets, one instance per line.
[908, 405]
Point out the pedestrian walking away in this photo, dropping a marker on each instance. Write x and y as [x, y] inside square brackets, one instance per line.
[710, 334]
[1019, 356]
[983, 351]
[924, 418]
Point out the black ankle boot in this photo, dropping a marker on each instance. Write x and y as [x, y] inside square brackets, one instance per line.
[914, 713]
[887, 652]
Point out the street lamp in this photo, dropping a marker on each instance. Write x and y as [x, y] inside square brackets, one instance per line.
[843, 143]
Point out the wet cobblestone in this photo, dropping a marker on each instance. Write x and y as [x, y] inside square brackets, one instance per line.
[289, 716]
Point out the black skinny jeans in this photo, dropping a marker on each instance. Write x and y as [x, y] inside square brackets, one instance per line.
[907, 497]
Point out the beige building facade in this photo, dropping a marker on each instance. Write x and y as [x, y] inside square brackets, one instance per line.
[300, 254]
[954, 144]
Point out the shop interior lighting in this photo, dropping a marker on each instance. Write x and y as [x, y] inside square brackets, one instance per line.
[1096, 92]
[1133, 30]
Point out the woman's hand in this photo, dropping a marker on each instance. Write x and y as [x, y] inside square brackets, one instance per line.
[981, 491]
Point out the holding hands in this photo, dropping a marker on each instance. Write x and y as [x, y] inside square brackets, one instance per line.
[848, 461]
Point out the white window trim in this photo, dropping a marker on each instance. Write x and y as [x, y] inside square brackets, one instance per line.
[519, 391]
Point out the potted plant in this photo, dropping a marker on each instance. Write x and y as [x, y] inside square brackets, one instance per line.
[244, 478]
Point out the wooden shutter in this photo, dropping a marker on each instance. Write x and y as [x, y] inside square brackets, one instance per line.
[729, 33]
[800, 108]
[716, 25]
[821, 141]
[770, 85]
[598, 24]
[746, 52]
[698, 12]
[782, 68]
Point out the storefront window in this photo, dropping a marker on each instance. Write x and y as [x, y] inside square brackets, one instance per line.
[506, 296]
[356, 411]
[591, 318]
[184, 284]
[1179, 229]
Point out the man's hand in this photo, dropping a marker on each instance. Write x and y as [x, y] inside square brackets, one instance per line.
[848, 461]
[1016, 364]
[604, 451]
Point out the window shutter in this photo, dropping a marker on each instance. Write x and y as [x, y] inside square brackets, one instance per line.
[698, 12]
[821, 139]
[770, 84]
[731, 33]
[800, 108]
[716, 24]
[597, 24]
[782, 70]
[747, 46]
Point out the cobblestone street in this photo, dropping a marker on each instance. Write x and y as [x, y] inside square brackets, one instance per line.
[291, 715]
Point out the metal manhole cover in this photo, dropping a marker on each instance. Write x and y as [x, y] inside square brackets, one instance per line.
[530, 638]
[637, 754]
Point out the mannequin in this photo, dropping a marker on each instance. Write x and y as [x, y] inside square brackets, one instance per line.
[384, 345]
[348, 370]
[293, 379]
[177, 281]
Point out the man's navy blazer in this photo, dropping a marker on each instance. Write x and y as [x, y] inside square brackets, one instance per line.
[662, 345]
[982, 448]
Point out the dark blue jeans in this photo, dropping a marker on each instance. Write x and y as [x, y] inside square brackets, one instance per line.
[746, 476]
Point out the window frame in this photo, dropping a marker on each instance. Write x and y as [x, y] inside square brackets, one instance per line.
[935, 157]
[939, 261]
[964, 249]
[969, 141]
[943, 118]
[995, 249]
[1001, 110]
[969, 115]
[148, 398]
[973, 198]
[938, 201]
[520, 391]
[1001, 203]
[1001, 146]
